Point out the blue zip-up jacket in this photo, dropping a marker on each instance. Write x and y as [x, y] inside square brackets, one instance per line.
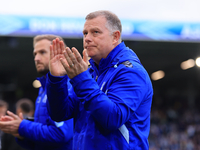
[44, 133]
[110, 103]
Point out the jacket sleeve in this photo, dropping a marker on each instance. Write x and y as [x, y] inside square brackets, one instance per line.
[129, 89]
[62, 102]
[54, 134]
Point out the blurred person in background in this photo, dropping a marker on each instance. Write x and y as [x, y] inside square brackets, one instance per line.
[3, 108]
[42, 133]
[111, 101]
[26, 107]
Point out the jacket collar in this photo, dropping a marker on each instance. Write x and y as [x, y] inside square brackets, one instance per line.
[106, 62]
[118, 55]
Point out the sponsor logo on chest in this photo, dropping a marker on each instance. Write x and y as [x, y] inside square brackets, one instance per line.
[42, 98]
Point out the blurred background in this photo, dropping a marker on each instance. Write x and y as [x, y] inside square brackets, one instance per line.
[164, 34]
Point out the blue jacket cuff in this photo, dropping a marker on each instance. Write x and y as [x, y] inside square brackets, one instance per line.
[23, 124]
[55, 78]
[79, 78]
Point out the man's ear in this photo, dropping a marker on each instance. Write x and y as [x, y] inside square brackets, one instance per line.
[116, 36]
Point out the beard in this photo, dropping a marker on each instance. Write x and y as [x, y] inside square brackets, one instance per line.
[43, 71]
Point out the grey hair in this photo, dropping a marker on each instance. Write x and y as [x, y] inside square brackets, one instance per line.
[113, 22]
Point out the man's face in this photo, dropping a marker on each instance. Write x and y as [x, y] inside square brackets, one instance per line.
[97, 38]
[42, 55]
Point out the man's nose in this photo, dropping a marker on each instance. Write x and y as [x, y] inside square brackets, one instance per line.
[37, 57]
[87, 37]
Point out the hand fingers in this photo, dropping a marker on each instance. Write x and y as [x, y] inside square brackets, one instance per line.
[64, 64]
[8, 129]
[51, 52]
[6, 118]
[77, 54]
[54, 47]
[62, 47]
[85, 56]
[67, 54]
[4, 124]
[58, 46]
[74, 55]
[12, 115]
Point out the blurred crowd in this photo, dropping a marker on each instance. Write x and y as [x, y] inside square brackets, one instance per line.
[174, 128]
